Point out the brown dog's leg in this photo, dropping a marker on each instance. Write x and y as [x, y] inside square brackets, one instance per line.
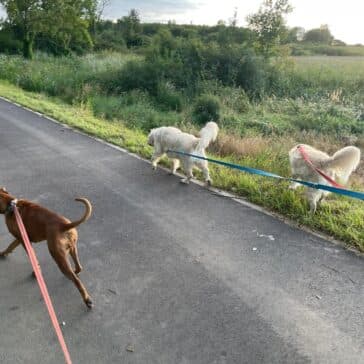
[10, 248]
[74, 255]
[60, 256]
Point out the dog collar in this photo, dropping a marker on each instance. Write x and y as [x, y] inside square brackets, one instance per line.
[10, 207]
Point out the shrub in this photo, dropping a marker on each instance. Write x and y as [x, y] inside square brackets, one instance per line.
[168, 98]
[251, 75]
[135, 75]
[206, 108]
[106, 106]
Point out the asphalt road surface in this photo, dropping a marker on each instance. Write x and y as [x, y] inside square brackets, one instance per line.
[177, 273]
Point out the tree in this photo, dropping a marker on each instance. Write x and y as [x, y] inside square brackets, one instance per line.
[96, 13]
[131, 28]
[295, 35]
[319, 35]
[233, 22]
[269, 24]
[164, 43]
[62, 19]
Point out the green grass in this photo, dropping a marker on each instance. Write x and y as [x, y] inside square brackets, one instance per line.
[340, 217]
[320, 94]
[320, 73]
[317, 49]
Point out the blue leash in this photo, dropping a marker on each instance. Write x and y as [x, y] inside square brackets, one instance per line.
[318, 186]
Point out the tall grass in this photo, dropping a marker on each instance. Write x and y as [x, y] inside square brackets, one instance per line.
[60, 76]
[306, 49]
[321, 94]
[325, 75]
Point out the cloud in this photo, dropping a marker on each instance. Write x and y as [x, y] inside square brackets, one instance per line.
[152, 10]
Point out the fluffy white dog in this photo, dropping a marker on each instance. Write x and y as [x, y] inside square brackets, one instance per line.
[338, 167]
[168, 138]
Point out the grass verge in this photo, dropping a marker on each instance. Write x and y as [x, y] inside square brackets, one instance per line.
[340, 217]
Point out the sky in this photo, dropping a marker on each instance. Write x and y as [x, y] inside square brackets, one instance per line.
[344, 18]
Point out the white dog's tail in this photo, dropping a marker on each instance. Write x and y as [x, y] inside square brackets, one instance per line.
[208, 134]
[344, 162]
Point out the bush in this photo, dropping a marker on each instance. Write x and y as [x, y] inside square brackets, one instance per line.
[140, 75]
[251, 75]
[169, 99]
[206, 108]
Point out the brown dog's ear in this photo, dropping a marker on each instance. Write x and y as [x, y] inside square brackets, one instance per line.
[3, 189]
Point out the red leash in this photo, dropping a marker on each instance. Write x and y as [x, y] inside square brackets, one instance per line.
[42, 285]
[318, 170]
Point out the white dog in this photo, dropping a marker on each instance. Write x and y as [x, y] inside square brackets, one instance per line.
[338, 167]
[168, 138]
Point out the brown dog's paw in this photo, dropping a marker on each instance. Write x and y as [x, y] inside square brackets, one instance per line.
[3, 256]
[88, 302]
[78, 270]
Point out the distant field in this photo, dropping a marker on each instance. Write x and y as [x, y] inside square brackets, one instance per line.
[315, 49]
[349, 65]
[339, 78]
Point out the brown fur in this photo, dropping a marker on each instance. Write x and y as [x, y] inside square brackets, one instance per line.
[43, 224]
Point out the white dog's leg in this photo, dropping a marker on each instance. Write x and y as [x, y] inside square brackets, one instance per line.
[187, 166]
[313, 197]
[294, 185]
[155, 159]
[206, 174]
[175, 166]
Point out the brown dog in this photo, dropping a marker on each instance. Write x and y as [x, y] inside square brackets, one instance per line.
[42, 224]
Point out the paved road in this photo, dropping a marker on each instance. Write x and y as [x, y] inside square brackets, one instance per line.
[172, 269]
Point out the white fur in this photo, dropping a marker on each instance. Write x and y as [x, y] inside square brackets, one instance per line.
[339, 167]
[169, 138]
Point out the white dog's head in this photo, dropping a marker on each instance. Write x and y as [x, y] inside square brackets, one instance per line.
[151, 137]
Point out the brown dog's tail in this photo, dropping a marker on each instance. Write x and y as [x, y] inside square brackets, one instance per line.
[85, 217]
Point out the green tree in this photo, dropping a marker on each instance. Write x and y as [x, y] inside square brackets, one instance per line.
[233, 22]
[320, 35]
[295, 35]
[131, 28]
[269, 25]
[164, 43]
[63, 19]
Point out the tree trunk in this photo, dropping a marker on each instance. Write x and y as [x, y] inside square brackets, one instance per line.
[28, 46]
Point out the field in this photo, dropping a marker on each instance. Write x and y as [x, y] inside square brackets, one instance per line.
[316, 50]
[316, 100]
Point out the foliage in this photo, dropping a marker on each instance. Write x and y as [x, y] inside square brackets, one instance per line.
[206, 108]
[269, 24]
[62, 22]
[321, 94]
[8, 42]
[295, 35]
[321, 35]
[131, 29]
